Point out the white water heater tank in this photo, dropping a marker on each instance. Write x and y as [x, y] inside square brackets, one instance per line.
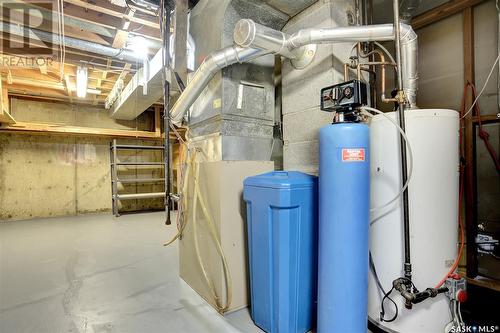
[433, 209]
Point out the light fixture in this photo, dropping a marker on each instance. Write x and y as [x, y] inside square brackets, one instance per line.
[139, 45]
[81, 81]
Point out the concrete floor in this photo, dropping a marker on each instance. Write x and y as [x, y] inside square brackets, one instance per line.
[97, 273]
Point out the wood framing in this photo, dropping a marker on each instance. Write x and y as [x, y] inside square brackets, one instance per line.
[441, 12]
[5, 116]
[47, 128]
[157, 121]
[470, 193]
[107, 8]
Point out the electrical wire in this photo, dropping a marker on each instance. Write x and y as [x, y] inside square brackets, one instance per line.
[484, 87]
[382, 310]
[410, 155]
[386, 294]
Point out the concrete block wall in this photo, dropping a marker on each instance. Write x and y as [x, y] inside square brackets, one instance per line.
[54, 175]
[302, 117]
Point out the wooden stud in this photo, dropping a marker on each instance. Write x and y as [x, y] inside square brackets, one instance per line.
[120, 39]
[5, 116]
[470, 195]
[67, 85]
[157, 121]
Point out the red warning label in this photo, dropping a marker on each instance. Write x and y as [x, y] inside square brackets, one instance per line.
[353, 155]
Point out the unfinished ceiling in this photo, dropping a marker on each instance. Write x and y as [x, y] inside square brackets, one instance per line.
[97, 34]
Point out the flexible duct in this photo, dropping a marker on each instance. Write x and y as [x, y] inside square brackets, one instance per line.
[247, 33]
[211, 65]
[70, 42]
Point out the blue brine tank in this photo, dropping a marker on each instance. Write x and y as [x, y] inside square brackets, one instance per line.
[282, 250]
[344, 204]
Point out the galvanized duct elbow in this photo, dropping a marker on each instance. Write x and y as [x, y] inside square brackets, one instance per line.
[250, 34]
[211, 65]
[409, 63]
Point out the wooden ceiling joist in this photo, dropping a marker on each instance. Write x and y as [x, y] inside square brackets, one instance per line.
[95, 21]
[105, 7]
[440, 12]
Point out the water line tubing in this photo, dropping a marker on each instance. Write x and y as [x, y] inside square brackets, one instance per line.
[196, 246]
[180, 221]
[213, 233]
[410, 155]
[211, 226]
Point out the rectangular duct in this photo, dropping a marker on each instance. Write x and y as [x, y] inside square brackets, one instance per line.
[132, 101]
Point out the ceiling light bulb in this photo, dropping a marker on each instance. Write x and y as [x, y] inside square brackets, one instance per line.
[139, 45]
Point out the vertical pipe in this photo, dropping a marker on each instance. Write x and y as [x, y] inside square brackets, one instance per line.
[114, 178]
[404, 166]
[165, 31]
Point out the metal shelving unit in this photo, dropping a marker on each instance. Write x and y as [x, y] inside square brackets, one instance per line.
[115, 180]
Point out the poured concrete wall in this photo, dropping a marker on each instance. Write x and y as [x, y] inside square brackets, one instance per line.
[54, 175]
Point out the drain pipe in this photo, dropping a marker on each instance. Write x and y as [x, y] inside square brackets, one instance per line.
[247, 33]
[211, 65]
[71, 42]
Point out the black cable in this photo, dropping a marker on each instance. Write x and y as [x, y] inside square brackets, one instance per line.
[382, 310]
[181, 84]
[386, 294]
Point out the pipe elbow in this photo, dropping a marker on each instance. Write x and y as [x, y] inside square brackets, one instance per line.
[244, 32]
[408, 35]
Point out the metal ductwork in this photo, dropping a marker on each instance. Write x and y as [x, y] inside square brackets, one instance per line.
[206, 71]
[70, 42]
[247, 33]
[408, 9]
[133, 99]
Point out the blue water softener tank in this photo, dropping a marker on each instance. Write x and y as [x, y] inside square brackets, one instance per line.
[282, 250]
[344, 199]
